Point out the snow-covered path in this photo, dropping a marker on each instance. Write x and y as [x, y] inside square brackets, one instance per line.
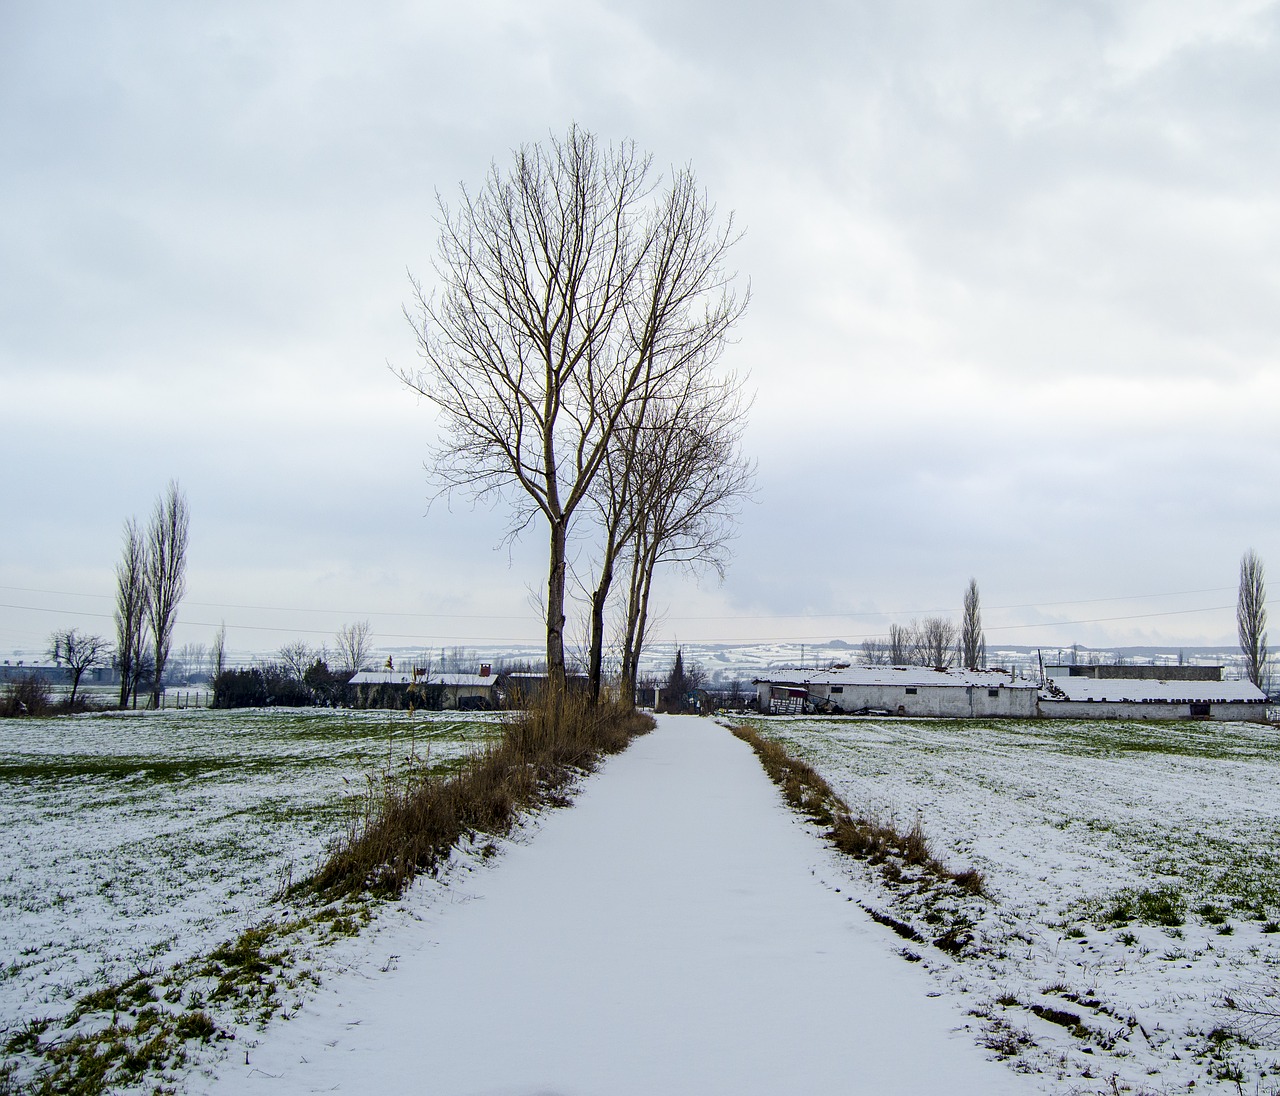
[667, 934]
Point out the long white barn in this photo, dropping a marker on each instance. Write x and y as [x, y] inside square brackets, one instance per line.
[1069, 692]
[899, 690]
[1148, 692]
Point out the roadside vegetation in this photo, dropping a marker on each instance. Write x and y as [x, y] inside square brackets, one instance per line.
[444, 782]
[902, 857]
[1130, 937]
[412, 827]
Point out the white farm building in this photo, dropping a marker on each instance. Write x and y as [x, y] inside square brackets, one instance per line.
[1148, 692]
[899, 690]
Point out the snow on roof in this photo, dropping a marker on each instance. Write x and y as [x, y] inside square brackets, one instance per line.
[1116, 689]
[474, 680]
[382, 677]
[404, 677]
[915, 676]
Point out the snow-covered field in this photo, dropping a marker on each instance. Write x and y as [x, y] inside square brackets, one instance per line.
[1134, 872]
[134, 841]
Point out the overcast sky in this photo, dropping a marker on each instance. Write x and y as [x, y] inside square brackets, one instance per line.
[1014, 314]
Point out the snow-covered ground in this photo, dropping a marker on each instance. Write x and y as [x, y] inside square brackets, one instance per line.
[133, 841]
[1090, 834]
[676, 931]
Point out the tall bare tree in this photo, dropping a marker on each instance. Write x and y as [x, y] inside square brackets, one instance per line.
[689, 484]
[131, 610]
[166, 571]
[972, 642]
[297, 658]
[936, 642]
[218, 652]
[902, 644]
[563, 293]
[81, 653]
[1251, 618]
[875, 652]
[353, 647]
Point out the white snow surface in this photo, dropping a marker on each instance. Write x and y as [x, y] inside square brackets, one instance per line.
[1170, 692]
[678, 930]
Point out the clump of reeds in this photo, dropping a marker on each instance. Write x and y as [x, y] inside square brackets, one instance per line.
[412, 827]
[870, 839]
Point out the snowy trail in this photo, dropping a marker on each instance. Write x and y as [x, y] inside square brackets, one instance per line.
[667, 934]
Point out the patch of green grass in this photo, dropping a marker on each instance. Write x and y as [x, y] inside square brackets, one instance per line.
[1146, 905]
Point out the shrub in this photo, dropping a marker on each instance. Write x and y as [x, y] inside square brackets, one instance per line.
[30, 695]
[240, 689]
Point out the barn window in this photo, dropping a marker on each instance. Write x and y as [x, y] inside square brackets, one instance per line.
[837, 688]
[1200, 711]
[993, 692]
[911, 690]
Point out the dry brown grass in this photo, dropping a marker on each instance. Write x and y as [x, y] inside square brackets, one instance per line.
[869, 839]
[413, 827]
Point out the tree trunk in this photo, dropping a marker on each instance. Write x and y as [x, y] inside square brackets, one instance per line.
[555, 608]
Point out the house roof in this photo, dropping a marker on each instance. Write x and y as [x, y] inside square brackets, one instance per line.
[404, 677]
[914, 676]
[478, 681]
[382, 677]
[1117, 689]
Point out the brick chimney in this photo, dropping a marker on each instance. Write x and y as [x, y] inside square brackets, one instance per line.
[484, 669]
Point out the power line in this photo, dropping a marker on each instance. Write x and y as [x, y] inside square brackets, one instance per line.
[725, 616]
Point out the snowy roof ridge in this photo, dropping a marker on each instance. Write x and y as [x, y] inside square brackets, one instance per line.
[896, 675]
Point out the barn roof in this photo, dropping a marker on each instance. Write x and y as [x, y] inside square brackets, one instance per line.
[912, 676]
[1118, 689]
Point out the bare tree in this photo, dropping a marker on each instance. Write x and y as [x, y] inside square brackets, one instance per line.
[166, 571]
[218, 652]
[1251, 618]
[972, 642]
[875, 652]
[80, 652]
[191, 657]
[131, 610]
[562, 295]
[935, 642]
[690, 481]
[902, 644]
[297, 658]
[353, 647]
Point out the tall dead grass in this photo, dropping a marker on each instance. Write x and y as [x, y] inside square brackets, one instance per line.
[870, 839]
[412, 827]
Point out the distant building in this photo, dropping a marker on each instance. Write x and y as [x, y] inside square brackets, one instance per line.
[391, 689]
[899, 690]
[1148, 692]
